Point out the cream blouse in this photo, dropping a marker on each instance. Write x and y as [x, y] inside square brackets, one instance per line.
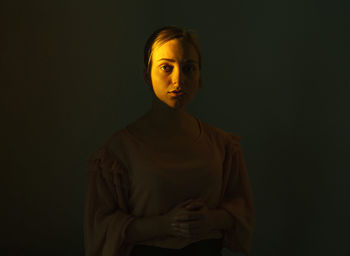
[128, 179]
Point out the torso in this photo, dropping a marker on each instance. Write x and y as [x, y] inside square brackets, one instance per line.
[171, 142]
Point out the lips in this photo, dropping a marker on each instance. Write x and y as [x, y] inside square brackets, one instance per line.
[177, 93]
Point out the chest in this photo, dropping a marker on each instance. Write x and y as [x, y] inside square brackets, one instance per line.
[172, 142]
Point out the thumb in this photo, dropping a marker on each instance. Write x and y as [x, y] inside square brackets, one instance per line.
[195, 204]
[197, 200]
[185, 203]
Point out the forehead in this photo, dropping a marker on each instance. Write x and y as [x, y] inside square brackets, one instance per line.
[177, 49]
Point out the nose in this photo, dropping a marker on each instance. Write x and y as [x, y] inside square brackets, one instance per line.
[177, 76]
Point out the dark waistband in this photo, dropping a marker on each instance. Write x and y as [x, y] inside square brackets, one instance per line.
[205, 243]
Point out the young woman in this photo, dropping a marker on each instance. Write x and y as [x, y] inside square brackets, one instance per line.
[169, 183]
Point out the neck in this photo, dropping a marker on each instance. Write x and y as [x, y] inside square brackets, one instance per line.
[166, 120]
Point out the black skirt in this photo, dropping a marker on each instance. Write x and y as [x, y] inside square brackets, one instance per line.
[209, 247]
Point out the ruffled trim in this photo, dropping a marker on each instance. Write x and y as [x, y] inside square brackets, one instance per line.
[107, 161]
[239, 238]
[235, 142]
[106, 165]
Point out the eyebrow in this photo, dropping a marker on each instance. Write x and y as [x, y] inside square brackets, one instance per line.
[172, 60]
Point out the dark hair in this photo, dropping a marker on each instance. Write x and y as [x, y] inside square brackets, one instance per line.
[163, 35]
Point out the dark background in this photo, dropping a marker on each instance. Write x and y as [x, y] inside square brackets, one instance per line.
[274, 72]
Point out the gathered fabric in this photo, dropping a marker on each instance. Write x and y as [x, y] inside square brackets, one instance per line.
[127, 179]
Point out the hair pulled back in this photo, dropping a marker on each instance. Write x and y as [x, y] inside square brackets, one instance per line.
[163, 35]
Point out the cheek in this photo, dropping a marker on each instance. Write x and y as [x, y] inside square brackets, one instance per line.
[195, 79]
[195, 76]
[160, 81]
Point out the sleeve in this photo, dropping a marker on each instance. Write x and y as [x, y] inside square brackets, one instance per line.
[106, 214]
[237, 200]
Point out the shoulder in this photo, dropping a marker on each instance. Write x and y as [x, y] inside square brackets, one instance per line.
[110, 151]
[226, 138]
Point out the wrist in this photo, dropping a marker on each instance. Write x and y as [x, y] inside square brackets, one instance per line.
[145, 228]
[162, 223]
[220, 219]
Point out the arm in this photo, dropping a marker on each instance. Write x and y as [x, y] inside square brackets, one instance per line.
[220, 219]
[238, 201]
[145, 228]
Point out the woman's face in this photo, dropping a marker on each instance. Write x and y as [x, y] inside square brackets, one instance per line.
[175, 67]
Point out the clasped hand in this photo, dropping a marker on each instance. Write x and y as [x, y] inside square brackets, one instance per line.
[190, 219]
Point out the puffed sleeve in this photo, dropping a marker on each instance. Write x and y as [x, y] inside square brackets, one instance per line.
[237, 199]
[106, 212]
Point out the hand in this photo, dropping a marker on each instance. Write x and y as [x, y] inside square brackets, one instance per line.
[189, 219]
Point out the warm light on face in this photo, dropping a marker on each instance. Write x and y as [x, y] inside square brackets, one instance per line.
[175, 66]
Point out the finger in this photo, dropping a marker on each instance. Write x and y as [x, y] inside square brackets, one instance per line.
[195, 216]
[195, 205]
[188, 233]
[201, 202]
[186, 202]
[182, 233]
[191, 217]
[198, 200]
[190, 225]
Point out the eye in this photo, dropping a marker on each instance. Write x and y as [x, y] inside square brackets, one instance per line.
[167, 66]
[190, 68]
